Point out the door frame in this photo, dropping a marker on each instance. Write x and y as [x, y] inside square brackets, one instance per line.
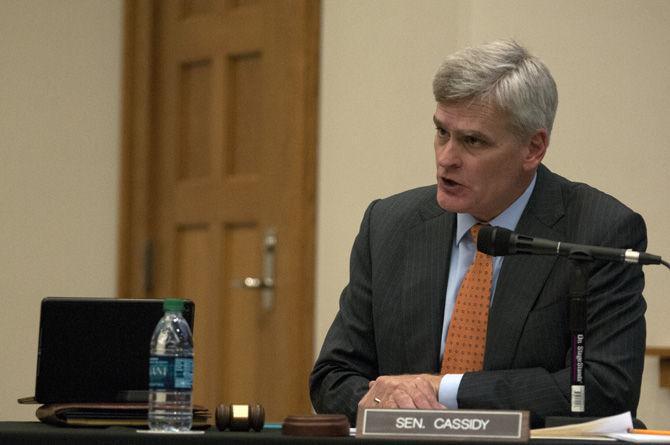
[134, 274]
[136, 229]
[136, 142]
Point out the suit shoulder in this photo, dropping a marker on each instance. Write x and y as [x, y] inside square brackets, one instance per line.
[403, 210]
[591, 201]
[577, 197]
[596, 217]
[408, 202]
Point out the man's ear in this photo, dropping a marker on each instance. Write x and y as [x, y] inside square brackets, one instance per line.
[537, 148]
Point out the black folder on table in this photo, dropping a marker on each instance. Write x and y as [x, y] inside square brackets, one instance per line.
[96, 349]
[108, 414]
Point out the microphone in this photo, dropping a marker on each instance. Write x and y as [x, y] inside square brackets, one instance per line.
[498, 241]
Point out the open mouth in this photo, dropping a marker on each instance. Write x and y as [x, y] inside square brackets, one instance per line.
[449, 183]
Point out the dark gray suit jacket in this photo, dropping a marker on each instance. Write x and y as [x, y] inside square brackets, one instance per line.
[391, 312]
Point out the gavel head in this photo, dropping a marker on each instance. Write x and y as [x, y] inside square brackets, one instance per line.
[240, 417]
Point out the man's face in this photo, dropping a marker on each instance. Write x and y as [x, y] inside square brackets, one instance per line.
[482, 167]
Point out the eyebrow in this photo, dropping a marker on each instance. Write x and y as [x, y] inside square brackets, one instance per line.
[462, 132]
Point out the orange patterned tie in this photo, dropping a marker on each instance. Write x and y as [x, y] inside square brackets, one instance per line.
[466, 338]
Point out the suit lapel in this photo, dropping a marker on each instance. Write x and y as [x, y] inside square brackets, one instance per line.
[522, 276]
[428, 249]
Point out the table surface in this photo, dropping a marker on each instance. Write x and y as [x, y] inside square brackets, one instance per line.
[26, 433]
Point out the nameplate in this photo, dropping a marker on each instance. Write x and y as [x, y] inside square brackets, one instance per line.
[459, 425]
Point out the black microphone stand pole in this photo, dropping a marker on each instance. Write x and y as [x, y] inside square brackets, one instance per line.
[577, 324]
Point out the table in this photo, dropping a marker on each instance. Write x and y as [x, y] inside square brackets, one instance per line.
[36, 433]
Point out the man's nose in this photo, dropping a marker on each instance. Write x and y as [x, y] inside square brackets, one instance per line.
[448, 154]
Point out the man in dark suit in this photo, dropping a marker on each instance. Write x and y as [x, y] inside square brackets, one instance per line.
[495, 109]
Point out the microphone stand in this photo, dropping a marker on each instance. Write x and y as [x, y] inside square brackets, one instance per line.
[577, 324]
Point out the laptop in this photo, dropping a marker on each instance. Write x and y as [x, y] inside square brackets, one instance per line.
[96, 350]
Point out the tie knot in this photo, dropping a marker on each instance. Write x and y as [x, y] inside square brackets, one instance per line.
[474, 231]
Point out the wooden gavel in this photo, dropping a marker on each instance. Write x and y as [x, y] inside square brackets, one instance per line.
[240, 417]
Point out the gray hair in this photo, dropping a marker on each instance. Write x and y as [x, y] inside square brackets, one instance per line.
[506, 75]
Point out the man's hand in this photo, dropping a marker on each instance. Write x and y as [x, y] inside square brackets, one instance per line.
[403, 391]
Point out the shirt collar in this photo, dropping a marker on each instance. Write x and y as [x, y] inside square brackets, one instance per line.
[508, 219]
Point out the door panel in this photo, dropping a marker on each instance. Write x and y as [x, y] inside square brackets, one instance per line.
[194, 119]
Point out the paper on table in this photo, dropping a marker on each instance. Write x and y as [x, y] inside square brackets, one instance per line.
[577, 438]
[640, 438]
[619, 423]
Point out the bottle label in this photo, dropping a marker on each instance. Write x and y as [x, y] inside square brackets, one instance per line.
[170, 373]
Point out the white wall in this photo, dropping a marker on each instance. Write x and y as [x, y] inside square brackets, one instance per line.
[59, 167]
[610, 59]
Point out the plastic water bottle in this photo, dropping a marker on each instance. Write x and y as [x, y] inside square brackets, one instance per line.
[171, 371]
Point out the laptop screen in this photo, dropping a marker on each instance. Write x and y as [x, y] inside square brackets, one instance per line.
[96, 349]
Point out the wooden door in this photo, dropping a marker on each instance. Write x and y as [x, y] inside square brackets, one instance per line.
[219, 145]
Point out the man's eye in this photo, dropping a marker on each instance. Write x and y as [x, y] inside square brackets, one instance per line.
[441, 132]
[473, 140]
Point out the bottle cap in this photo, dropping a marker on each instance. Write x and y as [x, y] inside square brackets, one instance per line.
[173, 304]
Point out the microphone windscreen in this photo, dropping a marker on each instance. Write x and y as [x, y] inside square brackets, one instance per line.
[494, 241]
